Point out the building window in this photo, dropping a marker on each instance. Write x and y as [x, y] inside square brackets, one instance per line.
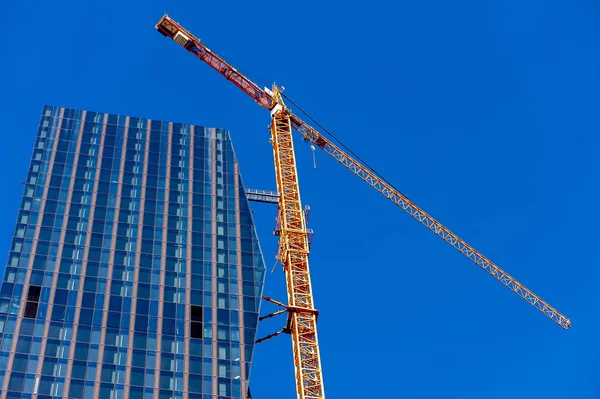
[223, 371]
[196, 321]
[34, 293]
[31, 310]
[222, 389]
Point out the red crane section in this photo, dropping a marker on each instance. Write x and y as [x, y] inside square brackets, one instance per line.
[169, 28]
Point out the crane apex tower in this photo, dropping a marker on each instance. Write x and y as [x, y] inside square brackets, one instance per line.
[134, 269]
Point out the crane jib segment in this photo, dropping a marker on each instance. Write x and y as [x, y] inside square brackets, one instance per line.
[403, 202]
[172, 29]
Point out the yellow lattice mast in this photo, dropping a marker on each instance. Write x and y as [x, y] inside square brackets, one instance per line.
[293, 243]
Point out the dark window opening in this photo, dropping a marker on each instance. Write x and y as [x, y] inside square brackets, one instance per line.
[31, 310]
[196, 324]
[196, 313]
[196, 330]
[34, 293]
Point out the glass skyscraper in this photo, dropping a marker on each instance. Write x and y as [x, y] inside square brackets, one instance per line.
[135, 269]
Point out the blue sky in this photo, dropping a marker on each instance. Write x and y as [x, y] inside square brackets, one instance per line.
[483, 113]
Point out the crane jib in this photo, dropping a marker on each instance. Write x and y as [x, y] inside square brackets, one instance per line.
[379, 184]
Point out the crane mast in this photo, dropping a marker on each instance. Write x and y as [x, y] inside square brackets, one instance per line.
[294, 258]
[293, 243]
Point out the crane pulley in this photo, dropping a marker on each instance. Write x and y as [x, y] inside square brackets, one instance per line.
[293, 238]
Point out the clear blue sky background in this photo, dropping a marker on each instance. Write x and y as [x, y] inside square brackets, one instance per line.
[485, 113]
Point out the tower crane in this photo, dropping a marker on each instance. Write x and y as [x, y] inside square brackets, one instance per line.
[293, 242]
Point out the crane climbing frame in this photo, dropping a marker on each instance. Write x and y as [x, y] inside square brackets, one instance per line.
[293, 238]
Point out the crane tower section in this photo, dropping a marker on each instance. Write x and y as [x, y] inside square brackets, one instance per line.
[294, 258]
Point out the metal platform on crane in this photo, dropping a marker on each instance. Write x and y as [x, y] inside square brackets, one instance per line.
[271, 197]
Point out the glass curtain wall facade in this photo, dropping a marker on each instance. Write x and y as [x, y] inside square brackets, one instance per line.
[135, 269]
